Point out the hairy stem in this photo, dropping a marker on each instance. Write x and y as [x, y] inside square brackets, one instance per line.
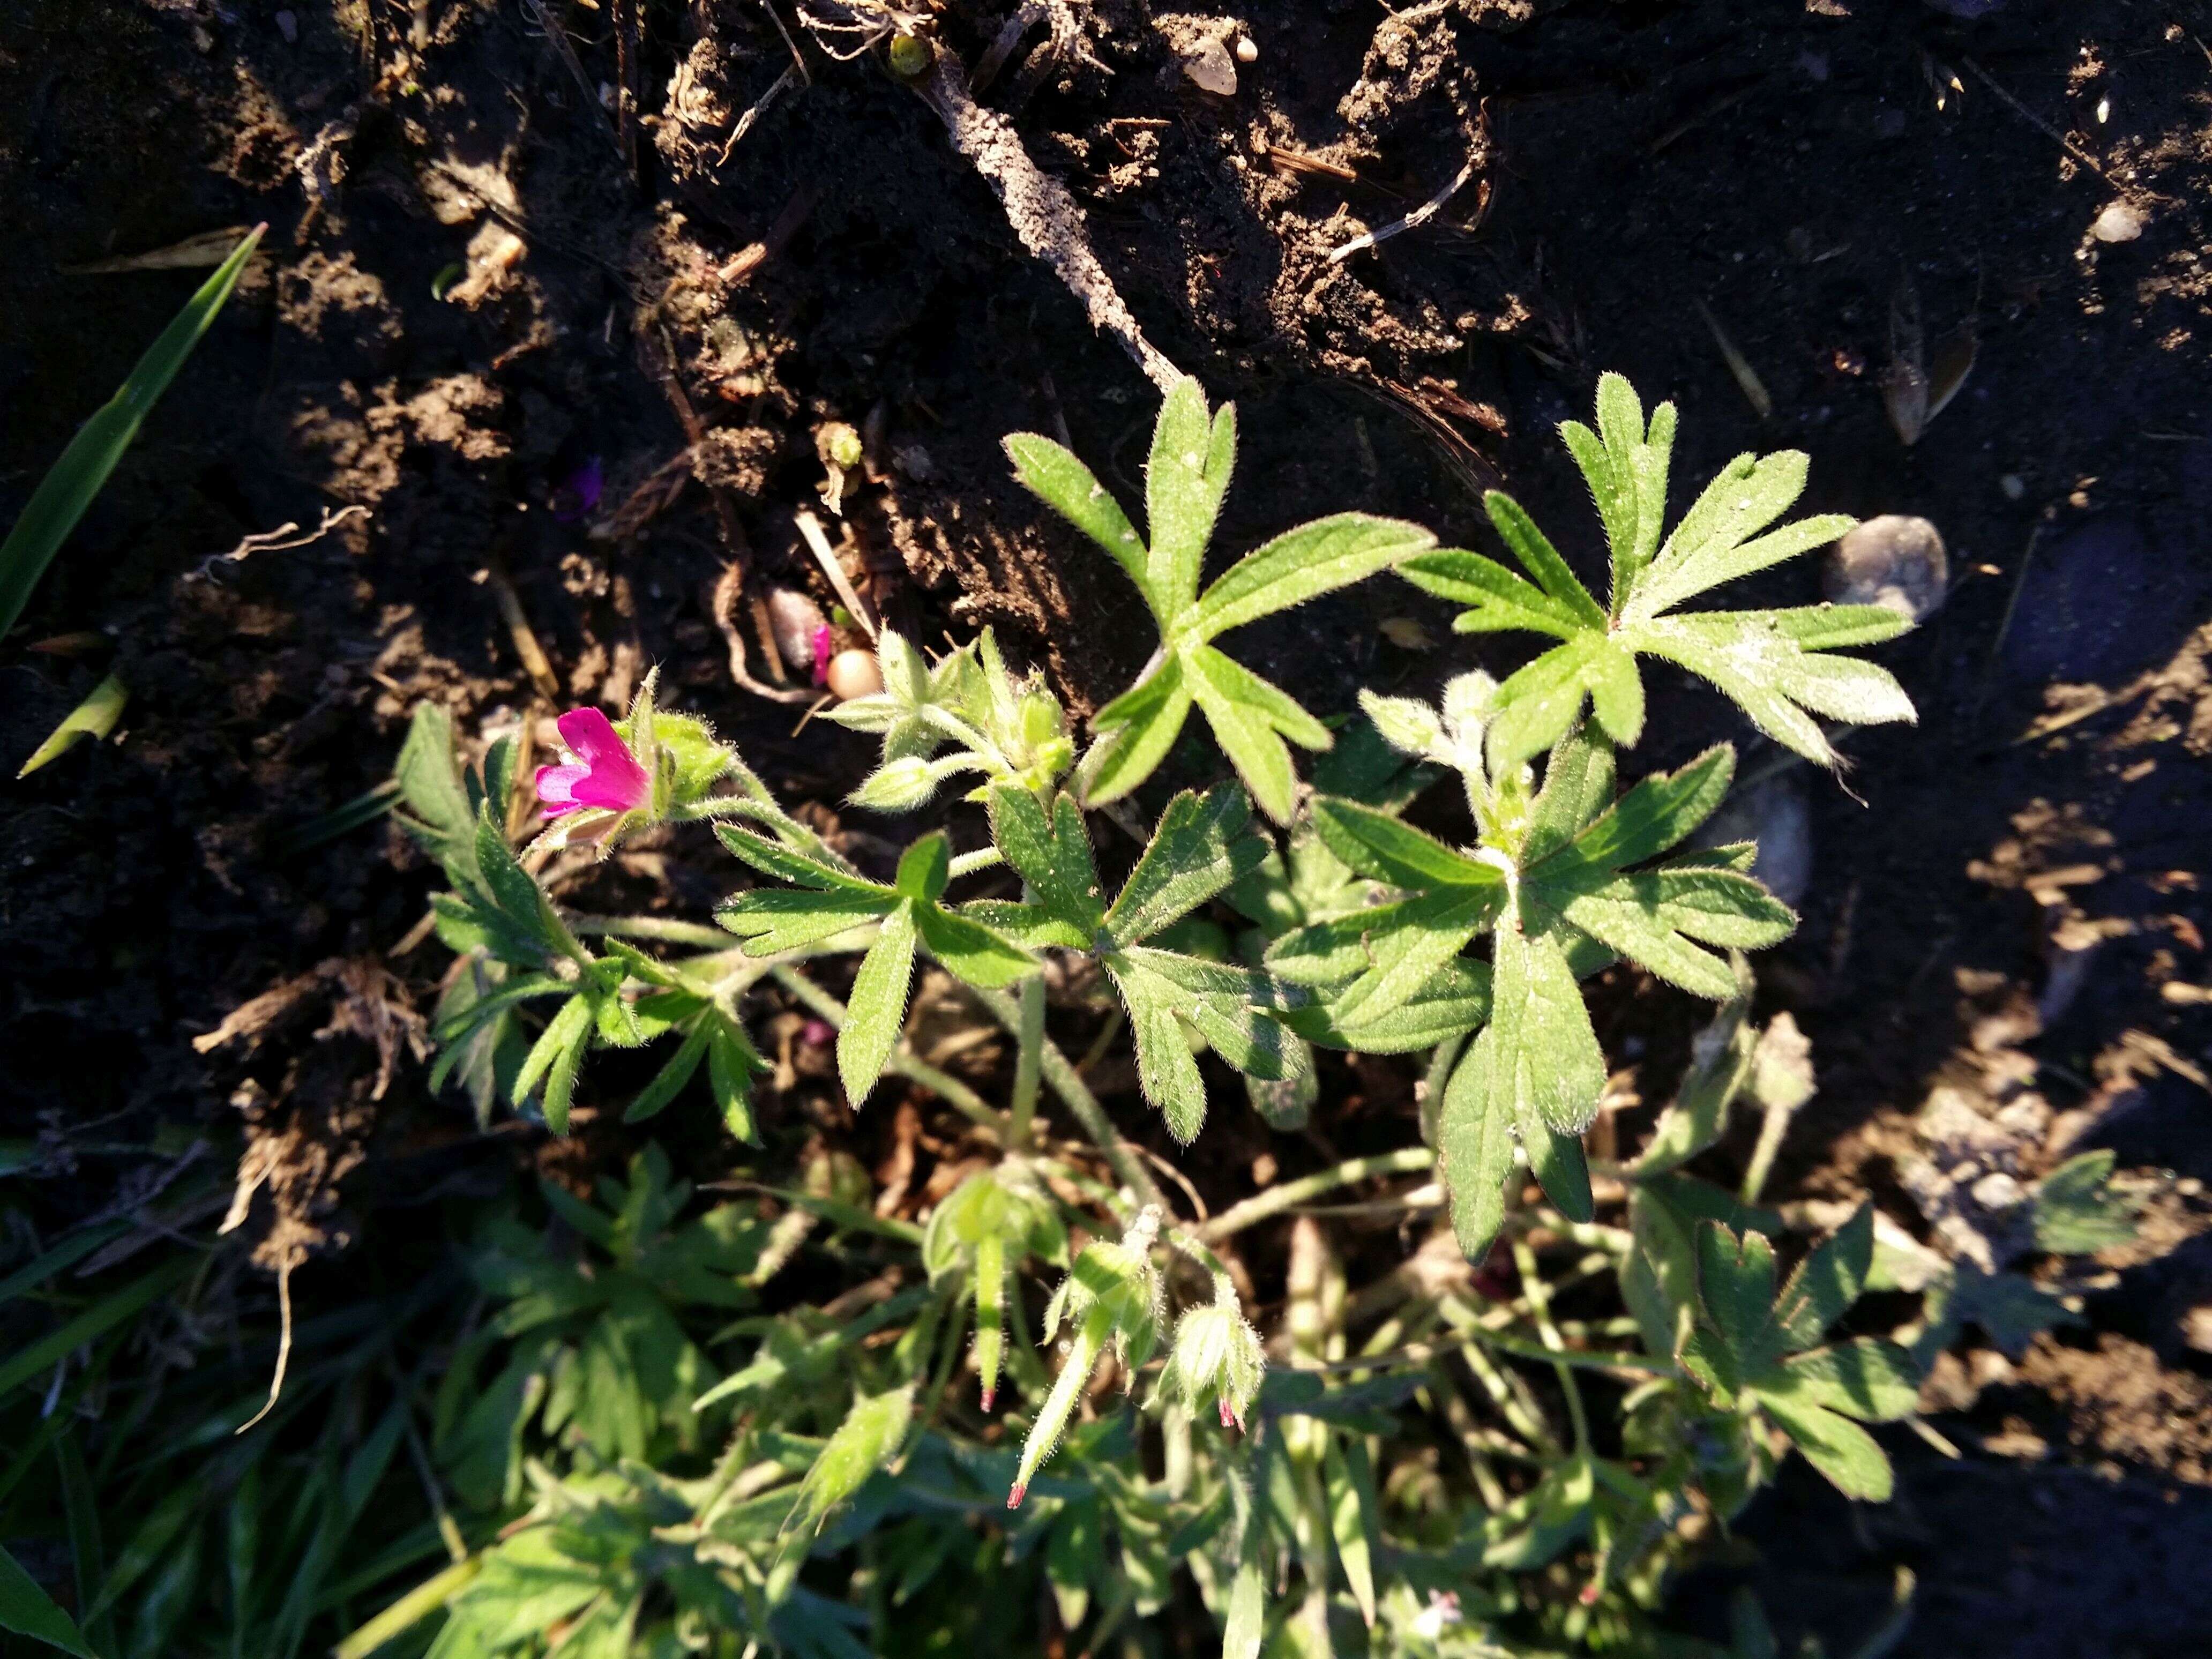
[1076, 1096]
[1292, 1194]
[1540, 1303]
[1028, 1061]
[955, 1093]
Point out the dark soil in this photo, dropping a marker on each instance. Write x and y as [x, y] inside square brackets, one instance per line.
[468, 292]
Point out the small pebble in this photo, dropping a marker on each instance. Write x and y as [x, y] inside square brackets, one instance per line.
[1998, 1191]
[853, 674]
[2013, 486]
[1206, 63]
[1248, 51]
[287, 25]
[2118, 223]
[794, 619]
[1894, 560]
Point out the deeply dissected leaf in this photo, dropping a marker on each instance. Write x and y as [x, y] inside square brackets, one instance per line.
[1378, 844]
[1453, 1001]
[1052, 855]
[1193, 456]
[1827, 1282]
[1199, 848]
[1541, 560]
[1773, 663]
[1135, 731]
[1250, 720]
[1548, 1062]
[777, 918]
[2075, 1213]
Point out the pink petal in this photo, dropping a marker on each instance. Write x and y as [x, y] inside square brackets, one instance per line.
[616, 782]
[826, 647]
[556, 788]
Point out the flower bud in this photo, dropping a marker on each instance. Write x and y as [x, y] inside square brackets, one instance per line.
[897, 785]
[1217, 1353]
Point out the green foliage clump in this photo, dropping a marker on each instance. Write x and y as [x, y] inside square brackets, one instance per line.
[666, 1424]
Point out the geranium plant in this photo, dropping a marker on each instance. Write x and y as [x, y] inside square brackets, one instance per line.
[1322, 920]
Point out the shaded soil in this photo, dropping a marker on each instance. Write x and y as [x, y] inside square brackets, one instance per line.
[470, 295]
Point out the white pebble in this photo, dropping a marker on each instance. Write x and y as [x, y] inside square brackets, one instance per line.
[1248, 51]
[2118, 223]
[1206, 63]
[853, 674]
[1894, 560]
[2012, 485]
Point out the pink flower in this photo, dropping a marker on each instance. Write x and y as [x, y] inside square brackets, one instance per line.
[609, 778]
[826, 647]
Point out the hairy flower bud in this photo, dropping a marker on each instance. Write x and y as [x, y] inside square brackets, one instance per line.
[1218, 1354]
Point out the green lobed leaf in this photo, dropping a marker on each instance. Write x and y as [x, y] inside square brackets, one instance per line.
[1661, 811]
[1409, 945]
[777, 918]
[1068, 487]
[1166, 1070]
[1538, 703]
[669, 1081]
[1192, 460]
[1547, 1060]
[1200, 847]
[1500, 600]
[1451, 1002]
[925, 867]
[1578, 782]
[1736, 1289]
[1622, 916]
[553, 1058]
[1231, 1008]
[2075, 1213]
[1827, 1282]
[1866, 1379]
[971, 951]
[1135, 731]
[1474, 1147]
[1541, 560]
[1390, 850]
[1246, 734]
[806, 867]
[877, 1010]
[1052, 855]
[1302, 564]
[1843, 1451]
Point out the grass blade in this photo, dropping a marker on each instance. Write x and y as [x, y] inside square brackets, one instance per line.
[69, 485]
[94, 717]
